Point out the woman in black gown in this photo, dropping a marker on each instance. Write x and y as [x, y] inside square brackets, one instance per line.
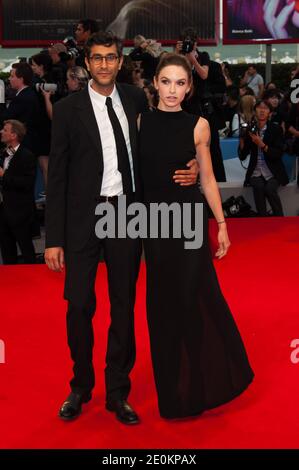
[199, 359]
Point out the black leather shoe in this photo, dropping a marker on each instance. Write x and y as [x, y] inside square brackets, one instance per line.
[124, 412]
[71, 408]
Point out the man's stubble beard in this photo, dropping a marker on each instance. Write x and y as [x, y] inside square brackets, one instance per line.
[104, 86]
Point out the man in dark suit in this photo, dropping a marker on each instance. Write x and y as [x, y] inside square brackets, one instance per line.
[24, 106]
[94, 159]
[266, 171]
[17, 208]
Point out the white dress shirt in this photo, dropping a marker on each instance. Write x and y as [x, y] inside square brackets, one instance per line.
[19, 91]
[112, 180]
[10, 153]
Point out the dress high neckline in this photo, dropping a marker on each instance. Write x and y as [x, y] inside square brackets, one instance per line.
[170, 114]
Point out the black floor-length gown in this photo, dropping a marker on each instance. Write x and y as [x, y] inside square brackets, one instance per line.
[199, 359]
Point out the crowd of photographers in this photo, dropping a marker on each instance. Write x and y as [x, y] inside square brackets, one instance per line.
[263, 118]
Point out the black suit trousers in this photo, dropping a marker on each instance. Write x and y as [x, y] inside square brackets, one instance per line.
[122, 258]
[266, 190]
[11, 235]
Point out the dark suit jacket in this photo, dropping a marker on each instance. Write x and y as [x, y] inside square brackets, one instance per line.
[25, 108]
[18, 188]
[273, 157]
[76, 166]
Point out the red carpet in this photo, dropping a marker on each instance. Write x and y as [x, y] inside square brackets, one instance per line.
[260, 280]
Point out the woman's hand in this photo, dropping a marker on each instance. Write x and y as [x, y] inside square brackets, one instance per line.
[277, 24]
[223, 241]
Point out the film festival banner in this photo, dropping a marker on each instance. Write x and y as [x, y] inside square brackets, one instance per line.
[35, 22]
[260, 21]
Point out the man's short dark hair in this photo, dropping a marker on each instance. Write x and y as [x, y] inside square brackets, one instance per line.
[271, 94]
[44, 60]
[89, 25]
[248, 90]
[266, 103]
[252, 65]
[23, 70]
[189, 33]
[103, 38]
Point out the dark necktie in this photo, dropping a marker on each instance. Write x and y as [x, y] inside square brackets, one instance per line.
[123, 162]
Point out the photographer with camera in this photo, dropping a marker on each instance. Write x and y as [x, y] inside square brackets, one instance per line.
[208, 86]
[59, 56]
[264, 142]
[77, 80]
[85, 28]
[148, 57]
[42, 67]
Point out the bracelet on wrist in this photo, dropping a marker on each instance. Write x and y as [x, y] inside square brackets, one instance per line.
[221, 222]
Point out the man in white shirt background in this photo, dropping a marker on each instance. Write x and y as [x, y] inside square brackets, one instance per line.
[254, 80]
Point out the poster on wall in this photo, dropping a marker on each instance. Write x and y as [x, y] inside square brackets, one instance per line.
[31, 22]
[26, 21]
[260, 21]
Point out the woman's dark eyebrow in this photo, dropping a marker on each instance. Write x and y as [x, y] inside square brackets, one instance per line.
[178, 80]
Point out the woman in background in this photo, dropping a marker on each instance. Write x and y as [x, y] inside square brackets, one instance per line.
[42, 65]
[76, 80]
[244, 115]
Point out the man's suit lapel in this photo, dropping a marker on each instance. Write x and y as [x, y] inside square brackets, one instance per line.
[268, 133]
[17, 98]
[14, 161]
[88, 119]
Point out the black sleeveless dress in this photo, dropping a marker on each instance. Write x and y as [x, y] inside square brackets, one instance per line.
[198, 356]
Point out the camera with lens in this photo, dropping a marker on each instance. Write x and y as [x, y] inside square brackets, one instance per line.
[253, 127]
[72, 49]
[246, 127]
[46, 87]
[187, 45]
[243, 129]
[72, 53]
